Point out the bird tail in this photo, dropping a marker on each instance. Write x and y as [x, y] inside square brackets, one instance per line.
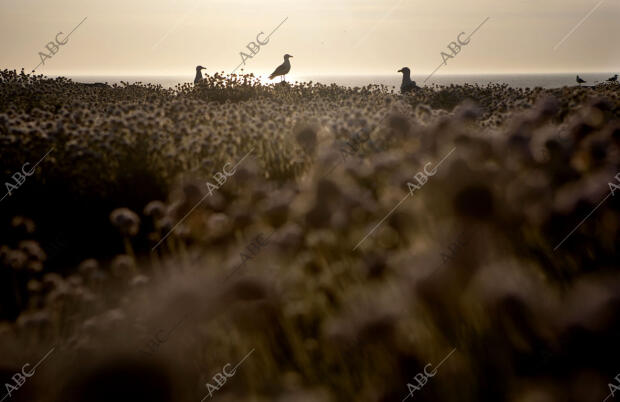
[271, 76]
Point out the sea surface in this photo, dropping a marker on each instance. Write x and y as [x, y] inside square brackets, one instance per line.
[514, 80]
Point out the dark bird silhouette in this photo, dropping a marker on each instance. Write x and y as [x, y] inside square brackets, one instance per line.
[407, 85]
[198, 77]
[282, 69]
[613, 79]
[580, 80]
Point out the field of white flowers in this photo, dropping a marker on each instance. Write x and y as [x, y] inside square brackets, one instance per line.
[309, 247]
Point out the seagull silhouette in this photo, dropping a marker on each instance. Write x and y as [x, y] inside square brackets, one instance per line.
[407, 85]
[613, 79]
[198, 77]
[282, 69]
[580, 80]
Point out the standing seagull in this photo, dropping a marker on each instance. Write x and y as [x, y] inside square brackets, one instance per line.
[613, 79]
[580, 81]
[407, 85]
[198, 77]
[282, 69]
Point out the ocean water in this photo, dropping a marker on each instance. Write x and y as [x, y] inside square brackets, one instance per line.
[514, 80]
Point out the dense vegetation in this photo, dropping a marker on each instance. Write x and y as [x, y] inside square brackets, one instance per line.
[466, 262]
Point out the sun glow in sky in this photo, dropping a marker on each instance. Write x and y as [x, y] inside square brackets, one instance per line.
[331, 37]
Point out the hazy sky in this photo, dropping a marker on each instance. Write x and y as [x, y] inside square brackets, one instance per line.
[167, 37]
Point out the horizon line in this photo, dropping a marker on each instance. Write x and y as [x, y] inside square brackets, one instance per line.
[134, 74]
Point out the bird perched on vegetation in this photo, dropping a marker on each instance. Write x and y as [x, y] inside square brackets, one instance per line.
[580, 80]
[613, 79]
[407, 85]
[198, 77]
[282, 69]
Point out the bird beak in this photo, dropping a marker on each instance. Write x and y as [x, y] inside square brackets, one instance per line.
[400, 71]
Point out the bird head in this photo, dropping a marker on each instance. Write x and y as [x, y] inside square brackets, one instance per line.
[287, 56]
[404, 70]
[199, 68]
